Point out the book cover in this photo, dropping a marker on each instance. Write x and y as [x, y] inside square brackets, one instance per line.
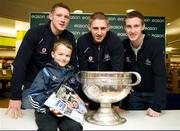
[68, 103]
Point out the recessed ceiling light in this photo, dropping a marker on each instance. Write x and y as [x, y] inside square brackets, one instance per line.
[129, 10]
[77, 11]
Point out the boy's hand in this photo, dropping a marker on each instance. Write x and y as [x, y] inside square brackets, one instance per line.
[56, 112]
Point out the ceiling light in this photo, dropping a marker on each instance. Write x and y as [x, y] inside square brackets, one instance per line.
[130, 10]
[78, 11]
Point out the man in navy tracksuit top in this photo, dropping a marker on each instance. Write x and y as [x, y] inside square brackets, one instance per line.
[145, 55]
[107, 56]
[99, 49]
[35, 52]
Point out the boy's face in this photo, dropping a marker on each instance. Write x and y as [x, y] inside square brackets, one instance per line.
[61, 55]
[134, 28]
[99, 29]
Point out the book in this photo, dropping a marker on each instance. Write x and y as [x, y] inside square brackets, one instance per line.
[68, 103]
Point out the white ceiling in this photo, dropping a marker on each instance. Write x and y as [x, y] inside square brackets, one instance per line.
[20, 9]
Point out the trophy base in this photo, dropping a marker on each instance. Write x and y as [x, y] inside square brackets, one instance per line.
[104, 117]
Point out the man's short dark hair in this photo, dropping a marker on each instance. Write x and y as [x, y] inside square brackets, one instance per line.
[98, 15]
[133, 14]
[60, 5]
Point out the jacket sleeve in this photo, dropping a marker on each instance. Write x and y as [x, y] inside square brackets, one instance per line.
[77, 87]
[20, 64]
[38, 92]
[73, 82]
[159, 78]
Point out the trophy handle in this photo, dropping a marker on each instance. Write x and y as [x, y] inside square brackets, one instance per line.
[138, 79]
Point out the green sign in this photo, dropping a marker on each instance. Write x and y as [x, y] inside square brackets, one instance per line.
[155, 26]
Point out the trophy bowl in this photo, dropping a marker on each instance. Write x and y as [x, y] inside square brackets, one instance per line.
[106, 88]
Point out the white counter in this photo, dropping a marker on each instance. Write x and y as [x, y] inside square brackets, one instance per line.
[136, 120]
[25, 123]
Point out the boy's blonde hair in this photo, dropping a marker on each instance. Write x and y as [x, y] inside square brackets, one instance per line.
[62, 42]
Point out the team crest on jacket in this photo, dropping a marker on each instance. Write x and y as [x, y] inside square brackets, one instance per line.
[128, 59]
[90, 59]
[147, 62]
[107, 57]
[54, 77]
[43, 51]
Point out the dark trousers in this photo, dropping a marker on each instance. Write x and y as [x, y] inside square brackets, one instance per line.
[49, 122]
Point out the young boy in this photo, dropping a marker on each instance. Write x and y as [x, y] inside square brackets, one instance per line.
[46, 82]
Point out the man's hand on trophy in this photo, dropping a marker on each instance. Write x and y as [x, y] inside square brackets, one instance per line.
[118, 110]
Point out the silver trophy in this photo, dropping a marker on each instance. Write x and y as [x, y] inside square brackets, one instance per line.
[106, 88]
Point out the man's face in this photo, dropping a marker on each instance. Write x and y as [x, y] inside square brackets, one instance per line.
[59, 19]
[99, 30]
[134, 28]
